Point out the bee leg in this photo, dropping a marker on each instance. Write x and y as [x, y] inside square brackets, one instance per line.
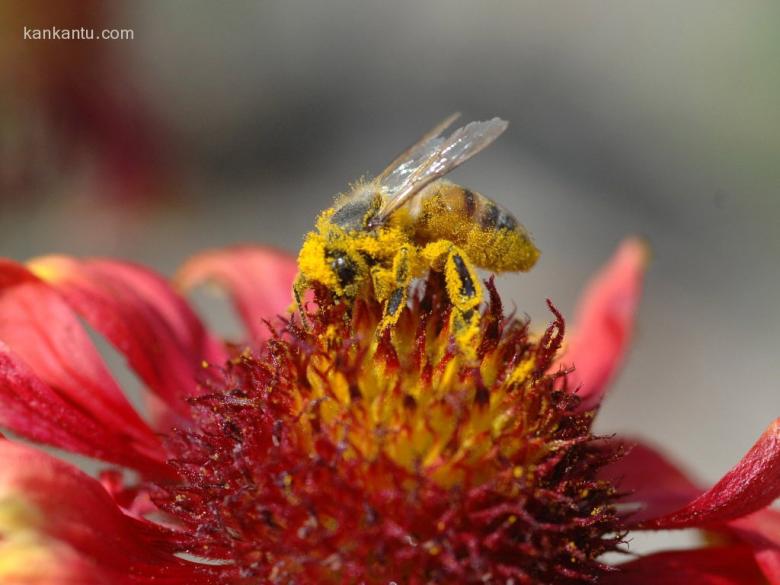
[299, 287]
[465, 292]
[402, 274]
[463, 289]
[383, 281]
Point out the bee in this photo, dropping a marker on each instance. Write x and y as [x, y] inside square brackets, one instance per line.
[386, 232]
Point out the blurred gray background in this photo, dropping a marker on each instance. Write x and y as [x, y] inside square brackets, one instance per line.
[656, 118]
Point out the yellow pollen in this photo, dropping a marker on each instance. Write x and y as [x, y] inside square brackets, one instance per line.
[445, 423]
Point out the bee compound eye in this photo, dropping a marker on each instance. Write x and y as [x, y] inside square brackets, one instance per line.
[346, 270]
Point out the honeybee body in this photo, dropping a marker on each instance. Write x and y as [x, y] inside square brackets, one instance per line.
[382, 235]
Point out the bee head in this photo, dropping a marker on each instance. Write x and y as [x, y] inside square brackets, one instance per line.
[333, 263]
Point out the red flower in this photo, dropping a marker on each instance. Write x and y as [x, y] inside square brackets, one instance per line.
[326, 455]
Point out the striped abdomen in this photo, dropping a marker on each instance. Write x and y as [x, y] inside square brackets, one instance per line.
[489, 235]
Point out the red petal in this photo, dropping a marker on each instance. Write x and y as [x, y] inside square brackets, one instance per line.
[32, 409]
[259, 281]
[54, 512]
[661, 487]
[158, 292]
[762, 531]
[650, 480]
[605, 322]
[732, 565]
[44, 332]
[753, 484]
[142, 317]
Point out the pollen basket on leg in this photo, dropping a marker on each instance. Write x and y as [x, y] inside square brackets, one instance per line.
[467, 289]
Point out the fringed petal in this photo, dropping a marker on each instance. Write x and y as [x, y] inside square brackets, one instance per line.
[732, 565]
[605, 322]
[141, 316]
[258, 280]
[653, 485]
[753, 484]
[58, 525]
[44, 332]
[762, 531]
[32, 409]
[659, 488]
[159, 293]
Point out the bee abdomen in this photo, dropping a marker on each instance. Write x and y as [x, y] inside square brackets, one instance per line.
[456, 201]
[493, 217]
[491, 237]
[470, 202]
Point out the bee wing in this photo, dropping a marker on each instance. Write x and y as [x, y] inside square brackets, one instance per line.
[431, 158]
[411, 157]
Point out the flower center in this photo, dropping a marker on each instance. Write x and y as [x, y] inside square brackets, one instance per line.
[334, 456]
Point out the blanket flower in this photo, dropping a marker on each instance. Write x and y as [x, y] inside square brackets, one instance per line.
[332, 453]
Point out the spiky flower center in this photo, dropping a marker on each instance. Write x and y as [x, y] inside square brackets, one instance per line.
[336, 456]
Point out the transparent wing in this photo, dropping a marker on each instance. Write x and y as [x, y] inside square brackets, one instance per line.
[431, 158]
[410, 158]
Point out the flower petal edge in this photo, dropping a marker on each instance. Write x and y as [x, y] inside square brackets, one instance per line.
[604, 322]
[258, 280]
